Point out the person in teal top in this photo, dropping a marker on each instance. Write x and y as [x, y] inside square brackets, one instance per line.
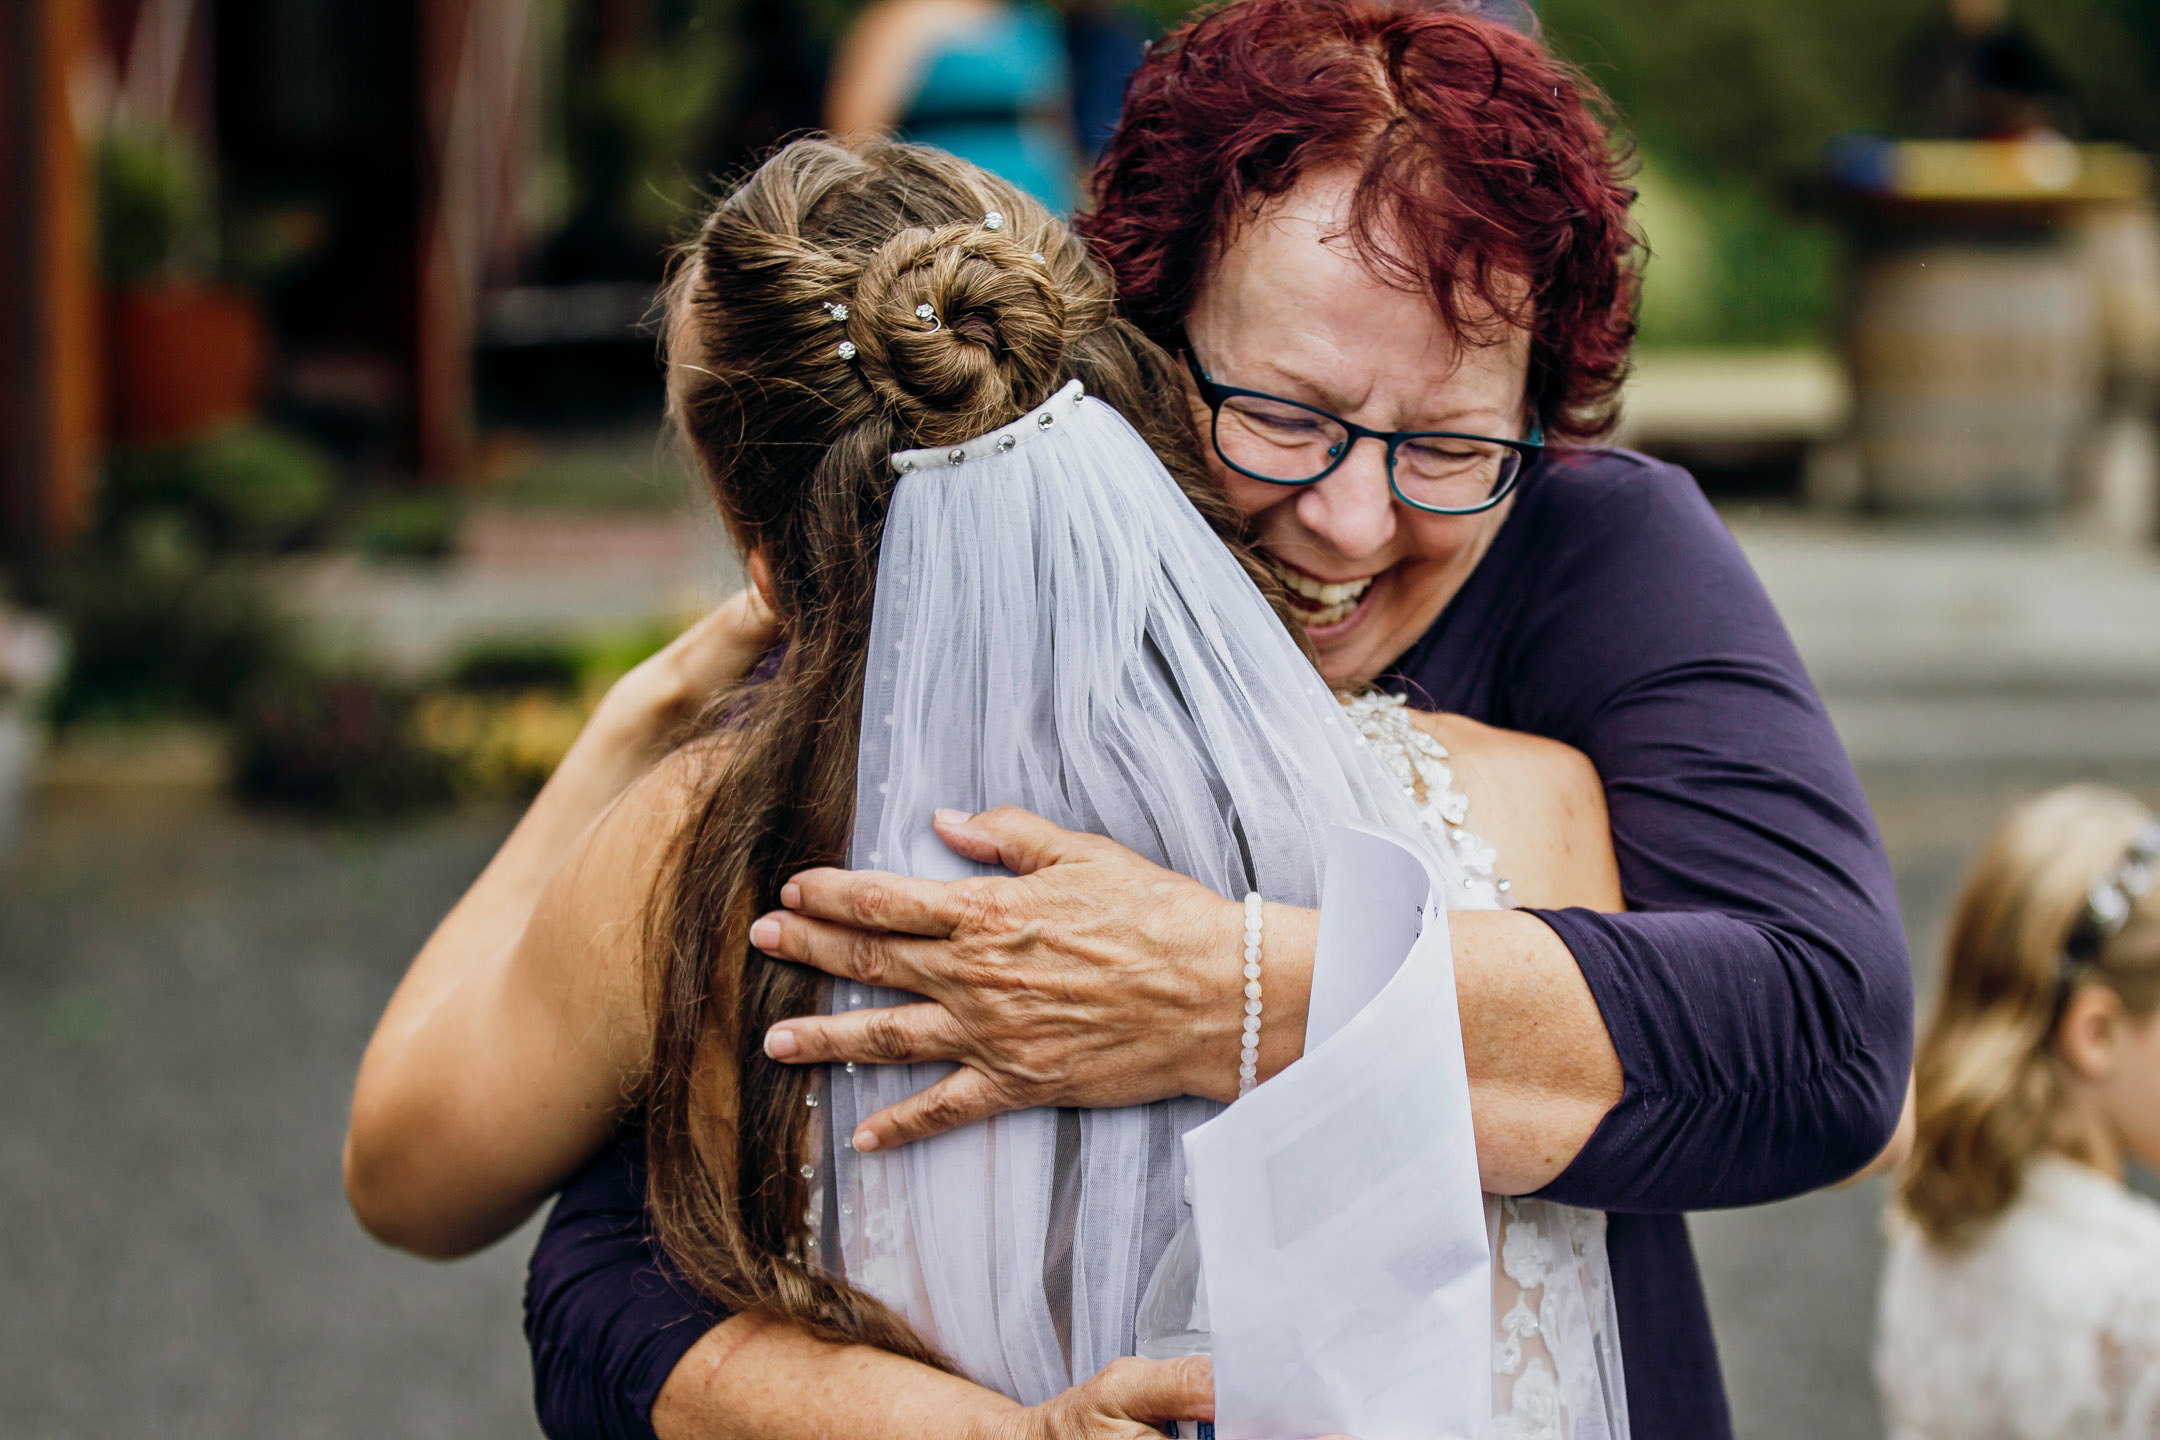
[985, 80]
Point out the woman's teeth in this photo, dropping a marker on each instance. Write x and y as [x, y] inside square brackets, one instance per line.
[1320, 603]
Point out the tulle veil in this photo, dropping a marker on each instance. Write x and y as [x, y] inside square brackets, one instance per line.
[1056, 627]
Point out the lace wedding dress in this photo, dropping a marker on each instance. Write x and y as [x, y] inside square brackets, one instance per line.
[1556, 1352]
[2046, 1328]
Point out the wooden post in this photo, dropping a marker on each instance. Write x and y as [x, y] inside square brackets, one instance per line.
[476, 70]
[48, 297]
[442, 369]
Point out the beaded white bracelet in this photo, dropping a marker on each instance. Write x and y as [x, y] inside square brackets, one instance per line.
[1248, 1074]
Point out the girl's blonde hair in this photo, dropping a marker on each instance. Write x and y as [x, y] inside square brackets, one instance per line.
[1986, 1082]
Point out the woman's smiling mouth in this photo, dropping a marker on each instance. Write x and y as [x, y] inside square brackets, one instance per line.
[1319, 604]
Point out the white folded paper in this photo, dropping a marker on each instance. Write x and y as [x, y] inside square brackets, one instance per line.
[1342, 1231]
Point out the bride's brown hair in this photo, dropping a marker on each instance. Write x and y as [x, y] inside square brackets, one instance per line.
[798, 361]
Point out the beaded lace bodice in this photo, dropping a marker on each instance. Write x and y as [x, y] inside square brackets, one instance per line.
[1556, 1346]
[2046, 1328]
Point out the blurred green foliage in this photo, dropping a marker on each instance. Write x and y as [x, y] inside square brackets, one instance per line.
[1729, 264]
[341, 744]
[642, 91]
[409, 526]
[1755, 87]
[153, 635]
[510, 666]
[1731, 101]
[355, 744]
[164, 611]
[246, 488]
[572, 665]
[154, 206]
[637, 120]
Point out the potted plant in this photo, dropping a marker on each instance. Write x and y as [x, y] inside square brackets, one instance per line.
[186, 353]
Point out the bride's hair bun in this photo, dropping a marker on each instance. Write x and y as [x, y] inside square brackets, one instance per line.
[988, 348]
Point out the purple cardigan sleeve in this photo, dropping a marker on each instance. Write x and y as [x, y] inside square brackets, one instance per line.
[606, 1316]
[1759, 991]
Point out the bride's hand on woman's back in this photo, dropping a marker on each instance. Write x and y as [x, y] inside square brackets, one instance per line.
[642, 712]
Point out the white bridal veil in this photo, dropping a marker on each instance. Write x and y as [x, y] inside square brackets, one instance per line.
[1057, 628]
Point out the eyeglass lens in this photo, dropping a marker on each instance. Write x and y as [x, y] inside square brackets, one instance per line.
[1278, 440]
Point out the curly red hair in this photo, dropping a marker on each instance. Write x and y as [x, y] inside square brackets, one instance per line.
[1485, 175]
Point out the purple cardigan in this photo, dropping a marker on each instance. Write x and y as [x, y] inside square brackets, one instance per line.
[1758, 989]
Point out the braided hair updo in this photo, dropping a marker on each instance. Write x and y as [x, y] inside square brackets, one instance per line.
[797, 363]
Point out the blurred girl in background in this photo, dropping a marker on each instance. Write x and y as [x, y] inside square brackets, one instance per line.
[2021, 1299]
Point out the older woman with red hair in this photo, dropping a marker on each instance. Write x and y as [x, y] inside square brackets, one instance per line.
[1405, 225]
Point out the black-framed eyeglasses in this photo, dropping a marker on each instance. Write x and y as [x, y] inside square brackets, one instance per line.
[1285, 442]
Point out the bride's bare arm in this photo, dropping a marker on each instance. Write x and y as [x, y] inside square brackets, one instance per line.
[500, 1062]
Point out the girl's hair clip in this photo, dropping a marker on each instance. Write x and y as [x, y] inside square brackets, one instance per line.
[2113, 894]
[993, 220]
[835, 310]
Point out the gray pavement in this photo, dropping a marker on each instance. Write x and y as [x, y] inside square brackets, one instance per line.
[1976, 645]
[184, 991]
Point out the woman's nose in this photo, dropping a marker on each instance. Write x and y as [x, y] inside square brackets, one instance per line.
[1352, 510]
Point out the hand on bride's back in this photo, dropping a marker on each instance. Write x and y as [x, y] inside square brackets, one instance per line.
[1090, 977]
[1128, 1399]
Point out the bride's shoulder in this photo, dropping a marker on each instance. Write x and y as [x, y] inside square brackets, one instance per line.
[1511, 754]
[1516, 770]
[1539, 803]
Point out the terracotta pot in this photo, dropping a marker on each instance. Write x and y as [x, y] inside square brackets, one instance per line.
[184, 359]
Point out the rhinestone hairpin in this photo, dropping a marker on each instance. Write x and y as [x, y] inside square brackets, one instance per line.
[926, 311]
[835, 310]
[993, 220]
[846, 350]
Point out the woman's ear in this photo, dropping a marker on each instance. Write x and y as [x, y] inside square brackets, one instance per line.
[761, 577]
[2089, 1037]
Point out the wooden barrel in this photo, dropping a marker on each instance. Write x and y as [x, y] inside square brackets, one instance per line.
[1976, 367]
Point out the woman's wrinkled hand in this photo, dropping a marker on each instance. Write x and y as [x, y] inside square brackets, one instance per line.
[1090, 977]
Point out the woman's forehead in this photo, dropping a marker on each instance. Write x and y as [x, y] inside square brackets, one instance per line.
[1293, 299]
